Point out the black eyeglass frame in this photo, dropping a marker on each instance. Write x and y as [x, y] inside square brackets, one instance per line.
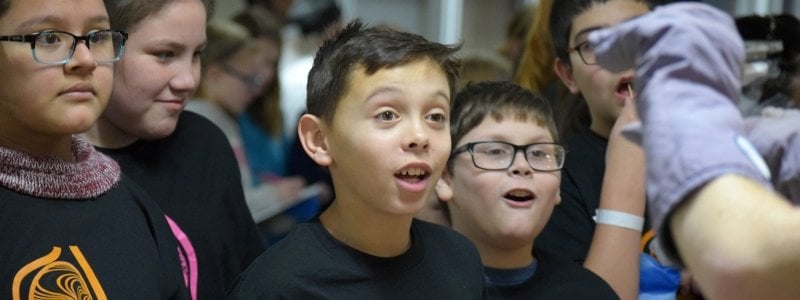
[577, 48]
[31, 38]
[470, 147]
[252, 81]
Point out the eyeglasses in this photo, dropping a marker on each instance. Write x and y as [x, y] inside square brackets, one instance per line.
[57, 47]
[252, 81]
[544, 157]
[585, 51]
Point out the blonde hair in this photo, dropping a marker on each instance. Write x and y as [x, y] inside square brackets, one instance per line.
[535, 70]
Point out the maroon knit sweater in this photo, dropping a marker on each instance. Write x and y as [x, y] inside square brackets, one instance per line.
[89, 176]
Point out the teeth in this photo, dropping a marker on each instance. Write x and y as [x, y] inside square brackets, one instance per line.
[413, 172]
[518, 193]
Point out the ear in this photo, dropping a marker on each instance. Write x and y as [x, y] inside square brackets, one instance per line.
[558, 197]
[312, 137]
[443, 188]
[564, 72]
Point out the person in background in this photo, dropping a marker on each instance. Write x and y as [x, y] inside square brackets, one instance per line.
[535, 72]
[516, 33]
[181, 159]
[571, 229]
[482, 66]
[236, 71]
[378, 106]
[73, 225]
[277, 10]
[265, 142]
[718, 186]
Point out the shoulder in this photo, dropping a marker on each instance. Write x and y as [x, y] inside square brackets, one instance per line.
[282, 265]
[568, 279]
[442, 234]
[440, 241]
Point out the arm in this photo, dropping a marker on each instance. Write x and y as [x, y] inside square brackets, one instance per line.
[707, 187]
[614, 252]
[740, 240]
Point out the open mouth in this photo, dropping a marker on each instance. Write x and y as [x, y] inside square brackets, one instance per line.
[412, 174]
[624, 89]
[519, 196]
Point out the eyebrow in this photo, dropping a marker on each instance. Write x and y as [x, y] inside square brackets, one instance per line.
[55, 20]
[392, 89]
[587, 31]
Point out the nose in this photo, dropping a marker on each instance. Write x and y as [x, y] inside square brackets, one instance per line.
[418, 138]
[520, 165]
[187, 76]
[82, 59]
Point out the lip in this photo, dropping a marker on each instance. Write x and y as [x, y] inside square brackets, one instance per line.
[621, 90]
[519, 204]
[413, 183]
[173, 103]
[79, 91]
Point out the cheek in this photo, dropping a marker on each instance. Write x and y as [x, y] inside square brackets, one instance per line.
[548, 186]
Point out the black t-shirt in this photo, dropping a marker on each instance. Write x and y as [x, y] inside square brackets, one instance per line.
[309, 263]
[556, 278]
[117, 244]
[570, 229]
[193, 175]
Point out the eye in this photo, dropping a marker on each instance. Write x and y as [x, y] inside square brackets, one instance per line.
[99, 37]
[387, 116]
[437, 117]
[164, 55]
[49, 38]
[492, 149]
[538, 154]
[586, 47]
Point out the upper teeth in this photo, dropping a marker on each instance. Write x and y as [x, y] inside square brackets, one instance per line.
[518, 193]
[413, 172]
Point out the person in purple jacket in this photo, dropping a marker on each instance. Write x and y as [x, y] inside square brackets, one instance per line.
[718, 184]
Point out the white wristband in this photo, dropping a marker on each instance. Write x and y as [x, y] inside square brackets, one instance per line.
[619, 219]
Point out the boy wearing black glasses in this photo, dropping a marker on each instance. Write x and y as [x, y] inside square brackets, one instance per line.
[500, 186]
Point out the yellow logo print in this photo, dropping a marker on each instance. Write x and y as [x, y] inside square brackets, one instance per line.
[51, 278]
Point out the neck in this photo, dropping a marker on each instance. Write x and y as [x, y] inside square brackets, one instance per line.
[365, 230]
[60, 147]
[506, 258]
[107, 135]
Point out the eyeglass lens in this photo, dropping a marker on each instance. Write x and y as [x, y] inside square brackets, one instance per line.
[498, 156]
[58, 47]
[586, 52]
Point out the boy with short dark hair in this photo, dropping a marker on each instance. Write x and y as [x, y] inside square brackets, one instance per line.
[500, 186]
[378, 110]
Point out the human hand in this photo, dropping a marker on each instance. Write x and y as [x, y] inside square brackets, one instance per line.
[688, 59]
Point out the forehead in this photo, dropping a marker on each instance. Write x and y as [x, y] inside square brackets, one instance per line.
[419, 78]
[510, 129]
[605, 14]
[53, 14]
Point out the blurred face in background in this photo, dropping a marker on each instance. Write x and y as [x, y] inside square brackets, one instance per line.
[235, 83]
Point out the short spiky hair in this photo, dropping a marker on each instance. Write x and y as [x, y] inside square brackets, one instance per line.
[497, 100]
[372, 48]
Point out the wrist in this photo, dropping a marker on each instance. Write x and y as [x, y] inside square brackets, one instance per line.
[619, 219]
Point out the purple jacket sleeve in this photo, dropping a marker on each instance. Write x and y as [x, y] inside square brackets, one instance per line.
[688, 59]
[776, 135]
